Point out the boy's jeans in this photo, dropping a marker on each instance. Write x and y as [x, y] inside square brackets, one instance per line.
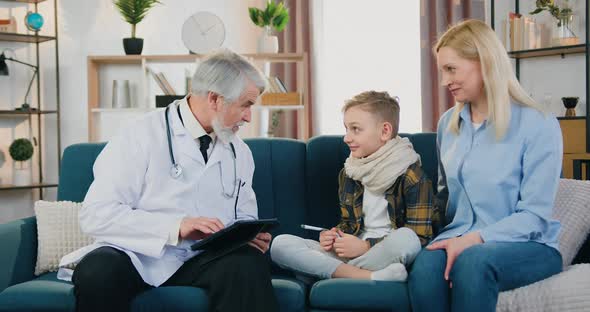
[478, 275]
[308, 257]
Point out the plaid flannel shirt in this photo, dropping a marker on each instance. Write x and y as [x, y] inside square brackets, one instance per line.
[410, 204]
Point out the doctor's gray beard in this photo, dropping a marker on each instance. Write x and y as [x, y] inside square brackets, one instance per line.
[225, 134]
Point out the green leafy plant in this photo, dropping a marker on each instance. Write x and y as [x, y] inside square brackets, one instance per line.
[275, 120]
[133, 11]
[274, 15]
[21, 150]
[553, 9]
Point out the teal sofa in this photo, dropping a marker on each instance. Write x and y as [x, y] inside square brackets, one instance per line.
[294, 181]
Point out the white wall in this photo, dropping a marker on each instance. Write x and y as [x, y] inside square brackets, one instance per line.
[360, 46]
[92, 27]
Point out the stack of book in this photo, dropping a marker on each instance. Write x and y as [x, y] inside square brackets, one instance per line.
[520, 32]
[8, 25]
[277, 94]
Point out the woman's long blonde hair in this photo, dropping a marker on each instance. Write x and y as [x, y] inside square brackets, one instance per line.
[476, 41]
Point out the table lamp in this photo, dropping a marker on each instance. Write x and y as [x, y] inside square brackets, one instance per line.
[5, 72]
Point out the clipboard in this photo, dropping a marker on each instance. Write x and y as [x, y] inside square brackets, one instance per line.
[234, 236]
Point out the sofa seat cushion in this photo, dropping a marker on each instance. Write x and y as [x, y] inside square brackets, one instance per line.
[290, 293]
[45, 293]
[171, 298]
[364, 295]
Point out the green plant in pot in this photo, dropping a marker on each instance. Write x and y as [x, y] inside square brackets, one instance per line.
[563, 34]
[133, 11]
[21, 150]
[274, 16]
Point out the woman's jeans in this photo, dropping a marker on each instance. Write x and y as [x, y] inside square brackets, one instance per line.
[307, 257]
[478, 275]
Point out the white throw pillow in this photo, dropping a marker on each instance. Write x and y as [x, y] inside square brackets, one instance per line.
[572, 209]
[58, 233]
[566, 291]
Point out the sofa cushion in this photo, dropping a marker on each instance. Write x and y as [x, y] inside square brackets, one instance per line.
[45, 293]
[18, 245]
[325, 158]
[364, 295]
[290, 294]
[279, 181]
[58, 233]
[566, 291]
[171, 298]
[76, 174]
[573, 211]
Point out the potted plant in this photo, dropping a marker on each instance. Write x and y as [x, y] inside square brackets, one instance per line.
[274, 16]
[133, 11]
[21, 150]
[563, 34]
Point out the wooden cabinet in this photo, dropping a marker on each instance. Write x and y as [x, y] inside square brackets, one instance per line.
[574, 143]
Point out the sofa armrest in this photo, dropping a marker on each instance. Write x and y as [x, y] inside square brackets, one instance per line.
[18, 251]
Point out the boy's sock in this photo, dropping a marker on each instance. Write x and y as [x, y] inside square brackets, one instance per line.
[393, 272]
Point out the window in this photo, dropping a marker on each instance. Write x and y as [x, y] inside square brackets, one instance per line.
[365, 45]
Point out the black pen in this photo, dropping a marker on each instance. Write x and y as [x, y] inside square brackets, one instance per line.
[240, 184]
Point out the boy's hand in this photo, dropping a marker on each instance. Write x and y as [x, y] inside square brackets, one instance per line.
[327, 238]
[350, 246]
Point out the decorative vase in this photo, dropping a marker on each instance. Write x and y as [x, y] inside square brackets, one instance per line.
[21, 175]
[267, 42]
[570, 105]
[133, 46]
[563, 34]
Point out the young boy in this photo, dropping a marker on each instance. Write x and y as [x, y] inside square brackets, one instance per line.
[385, 201]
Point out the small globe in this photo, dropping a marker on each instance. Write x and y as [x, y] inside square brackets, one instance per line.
[34, 21]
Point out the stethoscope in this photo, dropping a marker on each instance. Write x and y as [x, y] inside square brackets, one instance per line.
[176, 169]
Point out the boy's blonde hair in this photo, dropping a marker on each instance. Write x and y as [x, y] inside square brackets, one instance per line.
[476, 41]
[380, 104]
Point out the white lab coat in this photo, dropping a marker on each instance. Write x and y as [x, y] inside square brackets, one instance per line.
[134, 202]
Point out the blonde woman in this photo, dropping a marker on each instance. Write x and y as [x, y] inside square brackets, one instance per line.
[500, 161]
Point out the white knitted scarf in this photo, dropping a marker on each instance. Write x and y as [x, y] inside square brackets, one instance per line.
[378, 171]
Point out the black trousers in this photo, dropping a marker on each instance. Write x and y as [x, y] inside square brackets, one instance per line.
[106, 280]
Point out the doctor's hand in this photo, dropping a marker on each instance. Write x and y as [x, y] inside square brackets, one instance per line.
[199, 228]
[454, 247]
[261, 242]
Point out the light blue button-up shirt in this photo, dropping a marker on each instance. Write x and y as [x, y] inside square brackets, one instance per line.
[504, 189]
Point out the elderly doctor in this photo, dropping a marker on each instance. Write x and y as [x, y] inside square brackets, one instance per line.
[167, 180]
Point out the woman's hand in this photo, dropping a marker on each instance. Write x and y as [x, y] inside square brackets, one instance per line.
[327, 238]
[350, 246]
[454, 247]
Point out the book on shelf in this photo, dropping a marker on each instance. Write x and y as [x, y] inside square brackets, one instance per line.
[158, 81]
[8, 25]
[166, 84]
[519, 32]
[280, 84]
[272, 85]
[275, 85]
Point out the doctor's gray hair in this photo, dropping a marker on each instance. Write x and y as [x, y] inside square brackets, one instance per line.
[227, 74]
